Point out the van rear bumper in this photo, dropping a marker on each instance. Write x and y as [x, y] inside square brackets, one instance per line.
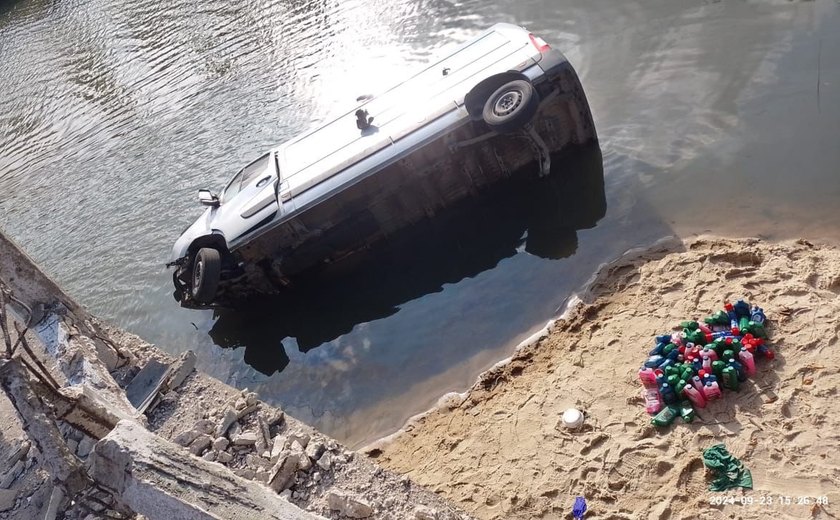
[552, 61]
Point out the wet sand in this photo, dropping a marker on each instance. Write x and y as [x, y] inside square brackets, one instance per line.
[500, 451]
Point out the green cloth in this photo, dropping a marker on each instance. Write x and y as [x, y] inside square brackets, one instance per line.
[729, 472]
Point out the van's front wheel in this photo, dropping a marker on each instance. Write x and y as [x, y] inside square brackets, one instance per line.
[511, 106]
[207, 269]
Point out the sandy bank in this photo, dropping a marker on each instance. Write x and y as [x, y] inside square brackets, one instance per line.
[502, 453]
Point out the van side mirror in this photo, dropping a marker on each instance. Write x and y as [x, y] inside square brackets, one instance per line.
[208, 198]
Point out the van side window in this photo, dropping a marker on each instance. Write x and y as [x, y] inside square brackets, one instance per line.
[244, 177]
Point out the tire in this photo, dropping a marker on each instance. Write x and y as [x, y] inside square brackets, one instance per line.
[511, 106]
[207, 268]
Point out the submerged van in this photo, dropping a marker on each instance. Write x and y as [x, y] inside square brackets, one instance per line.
[499, 105]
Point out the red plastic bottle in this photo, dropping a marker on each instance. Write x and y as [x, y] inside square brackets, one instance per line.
[653, 401]
[712, 390]
[748, 361]
[694, 396]
[648, 377]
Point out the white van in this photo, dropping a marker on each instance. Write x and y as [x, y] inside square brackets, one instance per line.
[498, 105]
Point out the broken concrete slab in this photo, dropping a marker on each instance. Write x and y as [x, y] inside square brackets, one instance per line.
[348, 504]
[181, 368]
[147, 383]
[159, 480]
[7, 499]
[282, 475]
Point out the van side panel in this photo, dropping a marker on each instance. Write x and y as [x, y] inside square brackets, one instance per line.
[417, 187]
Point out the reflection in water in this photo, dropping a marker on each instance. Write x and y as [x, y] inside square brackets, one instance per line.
[539, 217]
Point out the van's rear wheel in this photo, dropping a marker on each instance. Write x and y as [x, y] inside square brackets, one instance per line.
[511, 106]
[207, 268]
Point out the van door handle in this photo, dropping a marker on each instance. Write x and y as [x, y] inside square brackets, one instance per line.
[263, 181]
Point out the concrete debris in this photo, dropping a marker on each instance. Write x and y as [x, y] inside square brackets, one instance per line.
[220, 443]
[183, 367]
[147, 383]
[278, 445]
[224, 457]
[348, 505]
[227, 420]
[304, 462]
[12, 474]
[425, 513]
[283, 473]
[265, 433]
[300, 436]
[274, 417]
[245, 439]
[19, 453]
[7, 499]
[248, 410]
[251, 398]
[246, 473]
[325, 462]
[186, 438]
[232, 437]
[315, 449]
[205, 426]
[147, 473]
[201, 443]
[85, 446]
[257, 462]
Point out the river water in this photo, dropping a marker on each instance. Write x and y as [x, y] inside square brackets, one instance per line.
[719, 117]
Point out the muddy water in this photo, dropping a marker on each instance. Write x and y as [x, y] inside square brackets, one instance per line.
[713, 116]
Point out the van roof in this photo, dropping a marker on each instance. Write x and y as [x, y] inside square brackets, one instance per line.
[325, 151]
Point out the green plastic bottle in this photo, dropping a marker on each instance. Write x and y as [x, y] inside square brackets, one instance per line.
[673, 379]
[687, 372]
[730, 378]
[757, 330]
[744, 324]
[680, 389]
[695, 336]
[687, 411]
[665, 417]
[728, 353]
[690, 325]
[668, 348]
[718, 318]
[717, 367]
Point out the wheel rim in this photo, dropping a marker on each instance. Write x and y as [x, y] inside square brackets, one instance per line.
[507, 103]
[198, 273]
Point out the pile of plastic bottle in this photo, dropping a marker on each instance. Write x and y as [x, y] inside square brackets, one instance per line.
[690, 366]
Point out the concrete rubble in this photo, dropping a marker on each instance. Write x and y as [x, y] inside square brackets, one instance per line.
[192, 448]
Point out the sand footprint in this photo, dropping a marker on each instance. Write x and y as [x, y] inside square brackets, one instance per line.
[595, 443]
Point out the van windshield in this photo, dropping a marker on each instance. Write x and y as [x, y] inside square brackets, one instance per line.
[244, 177]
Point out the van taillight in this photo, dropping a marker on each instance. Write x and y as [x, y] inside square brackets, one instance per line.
[539, 43]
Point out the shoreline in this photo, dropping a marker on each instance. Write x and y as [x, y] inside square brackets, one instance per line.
[454, 398]
[498, 451]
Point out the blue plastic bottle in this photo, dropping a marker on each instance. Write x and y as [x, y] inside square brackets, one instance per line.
[757, 315]
[668, 394]
[739, 369]
[741, 308]
[654, 361]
